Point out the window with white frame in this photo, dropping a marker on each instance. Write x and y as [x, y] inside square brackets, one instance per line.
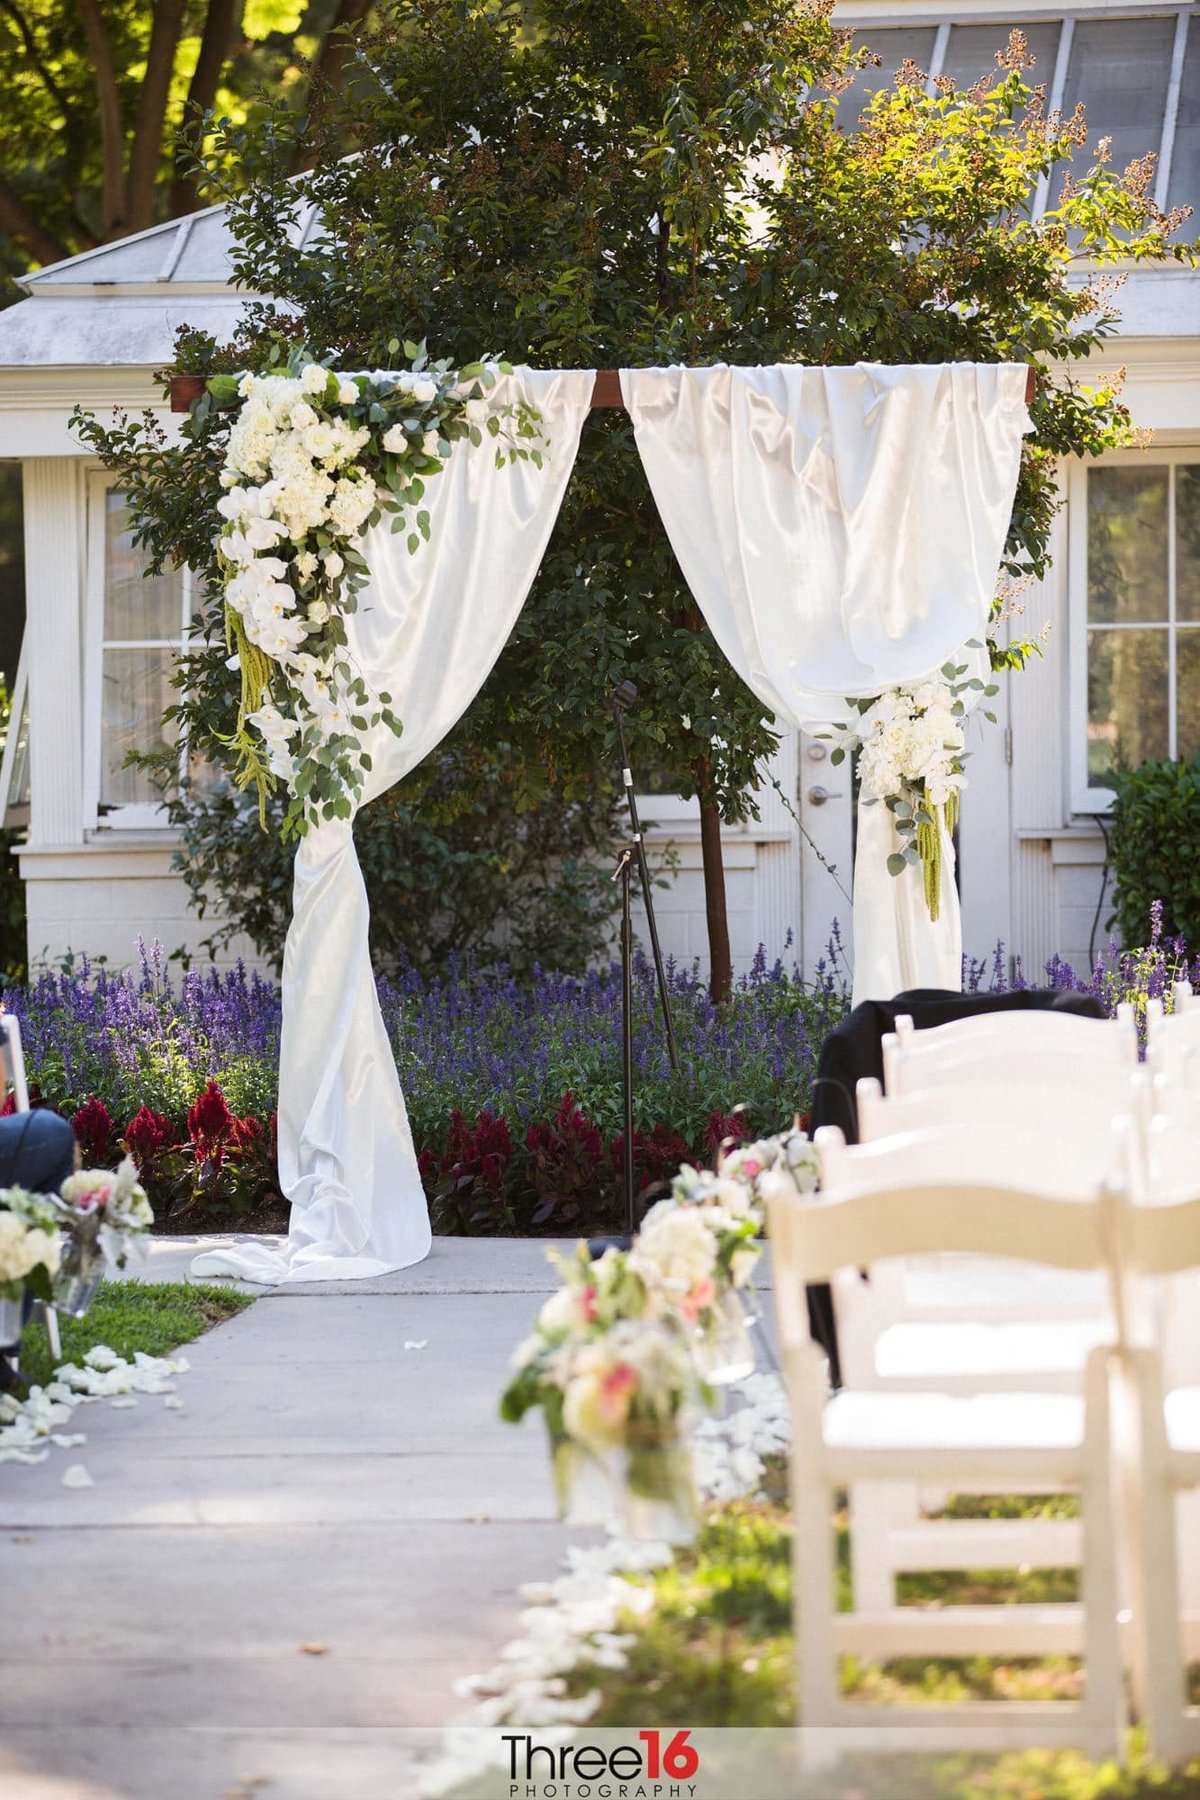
[1136, 69]
[1135, 559]
[137, 623]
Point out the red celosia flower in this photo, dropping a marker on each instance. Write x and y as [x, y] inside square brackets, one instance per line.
[147, 1135]
[245, 1133]
[10, 1106]
[209, 1123]
[723, 1128]
[93, 1128]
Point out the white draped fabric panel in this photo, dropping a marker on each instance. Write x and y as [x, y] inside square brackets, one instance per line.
[428, 630]
[841, 531]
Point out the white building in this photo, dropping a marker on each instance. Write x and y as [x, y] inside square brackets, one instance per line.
[1122, 666]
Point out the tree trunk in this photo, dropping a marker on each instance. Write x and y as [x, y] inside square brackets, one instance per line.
[145, 156]
[221, 20]
[112, 129]
[716, 913]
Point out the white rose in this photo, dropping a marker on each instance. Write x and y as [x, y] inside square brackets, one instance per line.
[303, 416]
[423, 388]
[313, 378]
[347, 393]
[395, 439]
[476, 411]
[742, 1265]
[318, 612]
[334, 564]
[429, 444]
[319, 441]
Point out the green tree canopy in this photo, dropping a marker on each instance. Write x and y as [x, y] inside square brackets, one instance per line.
[96, 91]
[606, 182]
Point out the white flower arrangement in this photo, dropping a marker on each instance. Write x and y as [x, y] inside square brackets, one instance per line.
[911, 757]
[106, 1209]
[30, 1244]
[314, 458]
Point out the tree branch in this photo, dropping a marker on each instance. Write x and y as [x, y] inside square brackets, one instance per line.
[146, 155]
[221, 21]
[112, 130]
[25, 229]
[327, 70]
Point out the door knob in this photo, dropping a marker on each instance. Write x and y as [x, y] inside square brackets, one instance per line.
[819, 795]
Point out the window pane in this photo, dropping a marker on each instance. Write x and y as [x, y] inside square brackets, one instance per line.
[1184, 186]
[1187, 541]
[972, 49]
[137, 691]
[1119, 68]
[1187, 693]
[1127, 701]
[894, 47]
[1127, 544]
[135, 605]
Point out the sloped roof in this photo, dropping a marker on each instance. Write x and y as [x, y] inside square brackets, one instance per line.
[121, 304]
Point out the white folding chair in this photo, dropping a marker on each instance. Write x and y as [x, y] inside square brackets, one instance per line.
[992, 1038]
[974, 1325]
[873, 1208]
[1160, 1241]
[1173, 1042]
[12, 1069]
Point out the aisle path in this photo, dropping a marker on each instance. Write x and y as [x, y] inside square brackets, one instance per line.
[323, 1487]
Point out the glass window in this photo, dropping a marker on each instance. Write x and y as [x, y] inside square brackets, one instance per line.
[971, 52]
[894, 47]
[1143, 615]
[1184, 186]
[1120, 69]
[144, 618]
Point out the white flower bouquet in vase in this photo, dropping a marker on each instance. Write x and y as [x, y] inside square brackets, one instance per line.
[615, 1381]
[104, 1215]
[30, 1248]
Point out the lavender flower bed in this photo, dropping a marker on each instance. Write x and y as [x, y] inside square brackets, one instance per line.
[514, 1091]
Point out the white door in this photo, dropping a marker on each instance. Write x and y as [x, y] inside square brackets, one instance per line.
[825, 807]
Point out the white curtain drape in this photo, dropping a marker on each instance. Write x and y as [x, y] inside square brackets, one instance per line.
[841, 531]
[428, 630]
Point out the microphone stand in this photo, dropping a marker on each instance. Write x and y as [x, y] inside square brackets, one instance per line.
[623, 698]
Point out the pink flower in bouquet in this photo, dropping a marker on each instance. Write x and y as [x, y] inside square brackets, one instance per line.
[697, 1298]
[90, 1190]
[617, 1387]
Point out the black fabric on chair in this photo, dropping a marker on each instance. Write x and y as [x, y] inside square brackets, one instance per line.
[855, 1050]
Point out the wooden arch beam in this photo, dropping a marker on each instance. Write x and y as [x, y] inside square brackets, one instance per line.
[606, 391]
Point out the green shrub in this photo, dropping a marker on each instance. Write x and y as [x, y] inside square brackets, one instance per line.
[456, 864]
[1155, 848]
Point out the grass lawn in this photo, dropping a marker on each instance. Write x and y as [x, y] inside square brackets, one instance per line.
[717, 1650]
[132, 1315]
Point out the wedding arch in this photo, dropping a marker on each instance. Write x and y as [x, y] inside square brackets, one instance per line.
[840, 529]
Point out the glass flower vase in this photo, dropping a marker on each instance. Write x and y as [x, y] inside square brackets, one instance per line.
[587, 1482]
[659, 1502]
[80, 1273]
[722, 1348]
[10, 1323]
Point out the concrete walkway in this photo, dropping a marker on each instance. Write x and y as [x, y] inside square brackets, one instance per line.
[271, 1591]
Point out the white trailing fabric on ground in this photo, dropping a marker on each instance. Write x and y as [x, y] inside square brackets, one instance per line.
[841, 531]
[428, 630]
